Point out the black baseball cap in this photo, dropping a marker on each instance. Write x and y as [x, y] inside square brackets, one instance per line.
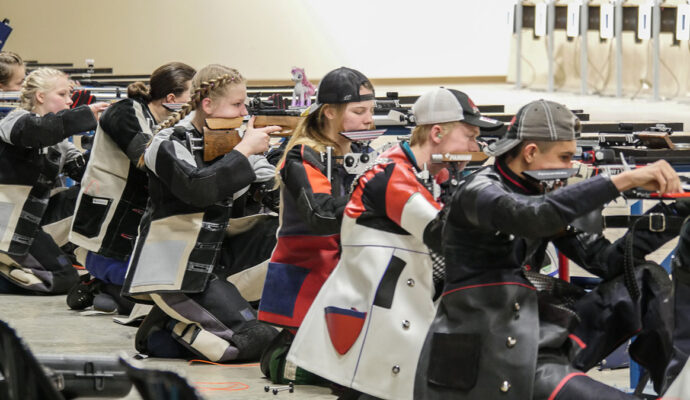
[541, 120]
[449, 105]
[341, 86]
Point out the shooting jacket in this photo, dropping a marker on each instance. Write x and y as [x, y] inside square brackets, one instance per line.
[31, 150]
[308, 247]
[114, 192]
[367, 325]
[190, 203]
[491, 324]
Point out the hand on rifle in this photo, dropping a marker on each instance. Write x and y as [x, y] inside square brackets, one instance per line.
[659, 176]
[255, 140]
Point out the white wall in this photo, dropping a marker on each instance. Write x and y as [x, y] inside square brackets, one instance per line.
[265, 38]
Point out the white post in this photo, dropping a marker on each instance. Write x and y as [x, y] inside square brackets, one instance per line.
[656, 46]
[618, 27]
[518, 44]
[550, 24]
[584, 27]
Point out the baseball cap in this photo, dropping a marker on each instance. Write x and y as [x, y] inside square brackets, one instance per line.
[341, 86]
[448, 105]
[541, 120]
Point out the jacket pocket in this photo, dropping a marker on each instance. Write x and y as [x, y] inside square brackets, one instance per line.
[90, 215]
[454, 360]
[344, 326]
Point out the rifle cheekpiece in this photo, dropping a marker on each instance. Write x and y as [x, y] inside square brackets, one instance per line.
[550, 179]
[472, 156]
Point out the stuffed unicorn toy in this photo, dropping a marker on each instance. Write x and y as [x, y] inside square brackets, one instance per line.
[301, 94]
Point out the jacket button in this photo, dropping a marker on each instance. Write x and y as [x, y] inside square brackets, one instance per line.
[396, 369]
[406, 324]
[511, 342]
[410, 282]
[516, 306]
[505, 386]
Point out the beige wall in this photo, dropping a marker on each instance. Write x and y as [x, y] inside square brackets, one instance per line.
[265, 38]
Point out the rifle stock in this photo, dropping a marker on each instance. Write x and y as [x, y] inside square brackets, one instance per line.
[224, 123]
[221, 135]
[287, 122]
[656, 140]
[219, 142]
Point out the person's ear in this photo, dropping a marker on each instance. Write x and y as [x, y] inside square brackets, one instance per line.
[40, 97]
[529, 152]
[329, 112]
[170, 98]
[208, 105]
[436, 134]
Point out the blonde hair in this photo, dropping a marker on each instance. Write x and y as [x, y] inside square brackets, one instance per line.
[40, 80]
[312, 131]
[8, 61]
[211, 81]
[420, 134]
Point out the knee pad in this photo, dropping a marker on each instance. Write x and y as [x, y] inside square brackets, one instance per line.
[253, 340]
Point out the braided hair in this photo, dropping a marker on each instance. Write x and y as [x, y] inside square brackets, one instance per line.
[210, 81]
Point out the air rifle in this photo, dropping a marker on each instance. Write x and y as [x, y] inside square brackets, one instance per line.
[270, 113]
[356, 163]
[221, 135]
[445, 189]
[642, 147]
[550, 179]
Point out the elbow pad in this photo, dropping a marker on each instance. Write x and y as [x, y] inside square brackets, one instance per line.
[75, 168]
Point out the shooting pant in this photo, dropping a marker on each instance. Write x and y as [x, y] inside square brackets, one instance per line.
[45, 268]
[216, 324]
[609, 317]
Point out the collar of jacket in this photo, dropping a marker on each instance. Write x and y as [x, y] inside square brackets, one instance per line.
[512, 180]
[400, 154]
[407, 151]
[150, 114]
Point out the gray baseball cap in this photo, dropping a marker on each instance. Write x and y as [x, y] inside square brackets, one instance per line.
[448, 105]
[540, 120]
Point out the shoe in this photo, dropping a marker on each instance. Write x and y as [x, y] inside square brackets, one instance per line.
[81, 295]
